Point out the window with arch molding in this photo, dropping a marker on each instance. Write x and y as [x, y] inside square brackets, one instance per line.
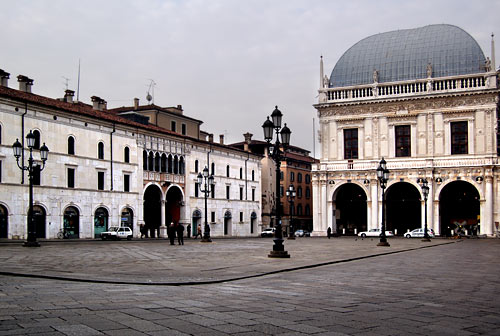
[100, 150]
[36, 133]
[241, 173]
[71, 145]
[126, 154]
[196, 166]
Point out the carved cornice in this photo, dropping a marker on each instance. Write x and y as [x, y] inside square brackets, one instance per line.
[411, 107]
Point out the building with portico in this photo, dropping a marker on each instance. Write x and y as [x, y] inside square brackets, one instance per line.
[427, 101]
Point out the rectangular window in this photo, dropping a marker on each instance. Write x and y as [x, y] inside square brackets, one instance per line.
[403, 141]
[100, 180]
[292, 176]
[196, 189]
[241, 216]
[126, 183]
[227, 192]
[71, 177]
[351, 144]
[241, 193]
[212, 217]
[253, 194]
[281, 175]
[183, 129]
[459, 137]
[36, 175]
[281, 191]
[173, 126]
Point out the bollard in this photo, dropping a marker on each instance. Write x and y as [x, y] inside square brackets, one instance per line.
[395, 232]
[343, 232]
[452, 232]
[355, 231]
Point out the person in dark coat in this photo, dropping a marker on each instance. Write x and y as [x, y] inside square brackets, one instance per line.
[171, 233]
[329, 233]
[180, 234]
[188, 231]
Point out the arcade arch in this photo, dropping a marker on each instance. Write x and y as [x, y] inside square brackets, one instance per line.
[403, 208]
[349, 209]
[459, 208]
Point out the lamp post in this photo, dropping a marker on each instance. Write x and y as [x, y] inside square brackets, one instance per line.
[425, 190]
[383, 177]
[290, 194]
[44, 152]
[276, 154]
[209, 184]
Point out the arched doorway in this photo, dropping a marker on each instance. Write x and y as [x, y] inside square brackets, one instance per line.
[459, 208]
[4, 224]
[403, 208]
[173, 205]
[152, 209]
[253, 220]
[349, 209]
[196, 220]
[39, 220]
[71, 222]
[227, 223]
[127, 218]
[100, 221]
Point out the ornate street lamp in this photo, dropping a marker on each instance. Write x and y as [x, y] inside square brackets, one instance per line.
[290, 194]
[277, 155]
[209, 184]
[425, 190]
[44, 153]
[383, 177]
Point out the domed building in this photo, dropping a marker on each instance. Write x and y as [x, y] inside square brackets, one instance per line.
[426, 101]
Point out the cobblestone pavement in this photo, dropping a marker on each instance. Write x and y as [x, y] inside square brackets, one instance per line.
[443, 289]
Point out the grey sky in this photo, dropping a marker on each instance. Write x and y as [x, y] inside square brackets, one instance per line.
[227, 62]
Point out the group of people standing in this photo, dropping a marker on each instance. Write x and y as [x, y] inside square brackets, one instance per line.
[174, 230]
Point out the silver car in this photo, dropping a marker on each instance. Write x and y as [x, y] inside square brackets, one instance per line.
[419, 233]
[374, 233]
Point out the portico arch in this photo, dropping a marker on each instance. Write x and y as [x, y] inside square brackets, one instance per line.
[404, 208]
[152, 209]
[349, 209]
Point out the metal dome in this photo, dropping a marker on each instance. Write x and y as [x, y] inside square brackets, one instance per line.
[405, 54]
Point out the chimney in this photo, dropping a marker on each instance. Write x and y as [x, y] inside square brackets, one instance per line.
[4, 78]
[68, 96]
[211, 138]
[136, 103]
[98, 103]
[248, 140]
[221, 139]
[179, 107]
[25, 83]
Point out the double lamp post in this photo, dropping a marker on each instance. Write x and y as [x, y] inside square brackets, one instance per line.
[383, 177]
[290, 194]
[271, 127]
[208, 184]
[44, 152]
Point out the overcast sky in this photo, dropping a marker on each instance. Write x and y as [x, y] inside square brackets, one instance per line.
[227, 62]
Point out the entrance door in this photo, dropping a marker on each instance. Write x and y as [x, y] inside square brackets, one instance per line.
[227, 223]
[404, 208]
[152, 210]
[71, 222]
[3, 222]
[459, 209]
[127, 218]
[253, 219]
[39, 220]
[100, 222]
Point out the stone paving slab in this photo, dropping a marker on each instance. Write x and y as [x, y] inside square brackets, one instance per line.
[158, 262]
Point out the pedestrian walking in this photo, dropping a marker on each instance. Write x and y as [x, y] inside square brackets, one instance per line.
[329, 232]
[180, 234]
[143, 231]
[198, 231]
[171, 233]
[188, 229]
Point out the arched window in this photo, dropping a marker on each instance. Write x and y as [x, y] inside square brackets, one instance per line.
[0, 134]
[36, 133]
[144, 160]
[308, 192]
[151, 161]
[299, 191]
[176, 165]
[227, 171]
[181, 166]
[299, 210]
[164, 163]
[126, 154]
[169, 164]
[100, 150]
[157, 162]
[253, 175]
[71, 145]
[308, 210]
[196, 166]
[299, 177]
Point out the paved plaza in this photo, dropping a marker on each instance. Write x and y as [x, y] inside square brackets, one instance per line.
[341, 286]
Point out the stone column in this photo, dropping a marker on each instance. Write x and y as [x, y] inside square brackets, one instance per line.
[163, 228]
[374, 196]
[316, 203]
[487, 211]
[324, 212]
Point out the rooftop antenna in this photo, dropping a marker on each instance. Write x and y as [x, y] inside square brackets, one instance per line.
[150, 96]
[66, 81]
[78, 87]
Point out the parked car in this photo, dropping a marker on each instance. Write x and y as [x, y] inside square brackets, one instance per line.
[419, 233]
[117, 233]
[374, 233]
[302, 233]
[268, 232]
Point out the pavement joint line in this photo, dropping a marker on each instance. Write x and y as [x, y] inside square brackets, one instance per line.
[216, 281]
